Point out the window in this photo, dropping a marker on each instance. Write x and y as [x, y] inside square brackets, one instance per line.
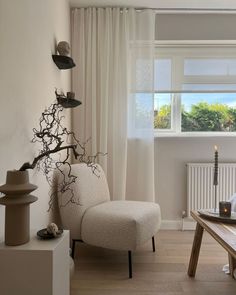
[195, 90]
[208, 112]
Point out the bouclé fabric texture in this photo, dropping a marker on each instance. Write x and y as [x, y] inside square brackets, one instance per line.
[98, 221]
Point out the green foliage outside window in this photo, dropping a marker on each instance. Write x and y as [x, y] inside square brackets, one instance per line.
[162, 118]
[201, 117]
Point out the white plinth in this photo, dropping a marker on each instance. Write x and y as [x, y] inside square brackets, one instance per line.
[40, 267]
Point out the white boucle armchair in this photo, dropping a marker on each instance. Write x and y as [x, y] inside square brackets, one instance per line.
[98, 221]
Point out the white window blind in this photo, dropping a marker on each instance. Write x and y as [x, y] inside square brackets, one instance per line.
[195, 69]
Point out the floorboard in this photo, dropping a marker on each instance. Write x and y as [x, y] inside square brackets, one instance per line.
[105, 272]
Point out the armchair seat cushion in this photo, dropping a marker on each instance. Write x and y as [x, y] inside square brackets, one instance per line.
[120, 225]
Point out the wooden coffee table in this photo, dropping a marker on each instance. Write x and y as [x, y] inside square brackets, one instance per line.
[223, 233]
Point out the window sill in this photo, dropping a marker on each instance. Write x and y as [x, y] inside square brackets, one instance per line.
[194, 134]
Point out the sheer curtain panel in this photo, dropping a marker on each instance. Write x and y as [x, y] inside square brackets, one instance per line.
[113, 51]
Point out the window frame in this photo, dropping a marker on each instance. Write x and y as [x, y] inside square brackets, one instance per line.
[177, 52]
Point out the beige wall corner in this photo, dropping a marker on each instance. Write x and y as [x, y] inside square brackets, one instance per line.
[29, 31]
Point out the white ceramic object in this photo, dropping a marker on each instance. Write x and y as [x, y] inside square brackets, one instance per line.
[63, 48]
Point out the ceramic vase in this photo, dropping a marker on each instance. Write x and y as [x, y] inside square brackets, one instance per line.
[17, 200]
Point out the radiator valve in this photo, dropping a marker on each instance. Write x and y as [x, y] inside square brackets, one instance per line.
[184, 214]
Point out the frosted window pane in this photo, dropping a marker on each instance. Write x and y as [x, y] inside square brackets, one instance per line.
[232, 67]
[144, 110]
[209, 67]
[162, 74]
[144, 75]
[216, 87]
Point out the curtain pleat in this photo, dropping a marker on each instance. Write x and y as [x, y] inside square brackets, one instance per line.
[112, 49]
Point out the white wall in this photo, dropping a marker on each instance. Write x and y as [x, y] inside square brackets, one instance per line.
[29, 30]
[195, 26]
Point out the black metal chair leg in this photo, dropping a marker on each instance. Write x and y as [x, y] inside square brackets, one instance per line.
[73, 246]
[73, 249]
[153, 244]
[130, 264]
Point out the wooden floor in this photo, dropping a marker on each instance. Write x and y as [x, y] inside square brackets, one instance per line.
[105, 272]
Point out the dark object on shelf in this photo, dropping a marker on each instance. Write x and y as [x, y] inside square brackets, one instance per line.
[67, 101]
[43, 234]
[225, 209]
[215, 216]
[63, 62]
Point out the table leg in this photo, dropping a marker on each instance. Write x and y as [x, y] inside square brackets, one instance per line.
[195, 250]
[232, 265]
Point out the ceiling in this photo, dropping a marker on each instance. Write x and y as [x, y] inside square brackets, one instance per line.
[159, 4]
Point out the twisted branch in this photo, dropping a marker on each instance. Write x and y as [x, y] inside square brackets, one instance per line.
[54, 138]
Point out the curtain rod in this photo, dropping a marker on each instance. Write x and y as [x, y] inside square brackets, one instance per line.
[175, 10]
[191, 10]
[193, 91]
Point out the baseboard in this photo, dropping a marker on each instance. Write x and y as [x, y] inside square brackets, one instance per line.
[189, 223]
[171, 224]
[181, 224]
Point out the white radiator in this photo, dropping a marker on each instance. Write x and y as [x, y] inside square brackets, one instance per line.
[200, 189]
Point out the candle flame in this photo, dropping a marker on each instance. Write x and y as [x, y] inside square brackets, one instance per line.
[225, 210]
[216, 148]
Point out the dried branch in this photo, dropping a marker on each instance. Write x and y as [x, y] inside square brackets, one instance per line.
[54, 138]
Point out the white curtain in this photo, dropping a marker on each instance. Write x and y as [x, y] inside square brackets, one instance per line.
[113, 51]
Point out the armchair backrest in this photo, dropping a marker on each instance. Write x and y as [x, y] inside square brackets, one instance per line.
[89, 190]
